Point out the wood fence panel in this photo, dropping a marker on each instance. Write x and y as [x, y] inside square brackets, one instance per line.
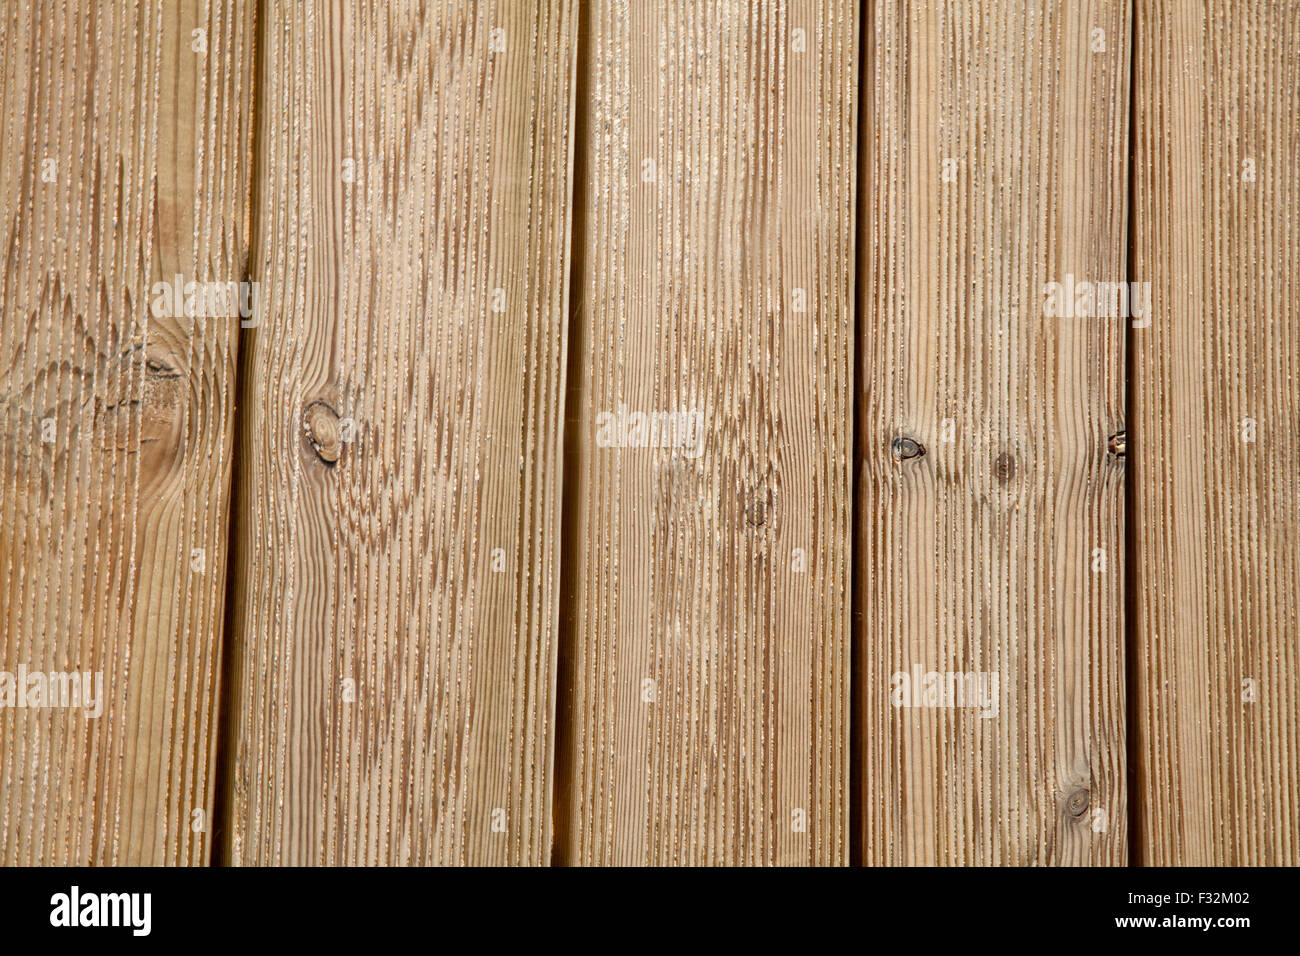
[125, 131]
[990, 501]
[1216, 434]
[399, 474]
[707, 589]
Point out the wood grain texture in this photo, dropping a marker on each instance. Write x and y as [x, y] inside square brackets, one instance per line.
[398, 540]
[125, 163]
[984, 476]
[719, 287]
[1217, 542]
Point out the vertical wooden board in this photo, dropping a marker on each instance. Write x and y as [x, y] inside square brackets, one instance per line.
[1217, 537]
[707, 644]
[995, 164]
[126, 138]
[399, 498]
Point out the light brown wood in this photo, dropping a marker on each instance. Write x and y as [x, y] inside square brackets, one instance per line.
[402, 611]
[125, 138]
[1217, 541]
[708, 646]
[985, 480]
[399, 475]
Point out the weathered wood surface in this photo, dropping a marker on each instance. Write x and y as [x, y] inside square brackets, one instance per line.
[448, 644]
[995, 160]
[707, 585]
[399, 494]
[125, 136]
[1216, 444]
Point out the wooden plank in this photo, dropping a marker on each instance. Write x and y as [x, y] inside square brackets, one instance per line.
[707, 651]
[399, 472]
[125, 135]
[1217, 534]
[985, 481]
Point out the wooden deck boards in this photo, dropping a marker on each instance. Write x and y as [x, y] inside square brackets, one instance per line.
[394, 639]
[708, 590]
[1216, 545]
[987, 495]
[126, 135]
[791, 432]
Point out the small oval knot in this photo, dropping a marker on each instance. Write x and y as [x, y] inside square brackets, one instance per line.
[907, 448]
[1117, 444]
[1078, 802]
[1004, 468]
[320, 425]
[756, 506]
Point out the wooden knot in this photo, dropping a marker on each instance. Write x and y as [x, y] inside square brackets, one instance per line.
[320, 425]
[1004, 468]
[1078, 802]
[756, 505]
[1117, 444]
[906, 449]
